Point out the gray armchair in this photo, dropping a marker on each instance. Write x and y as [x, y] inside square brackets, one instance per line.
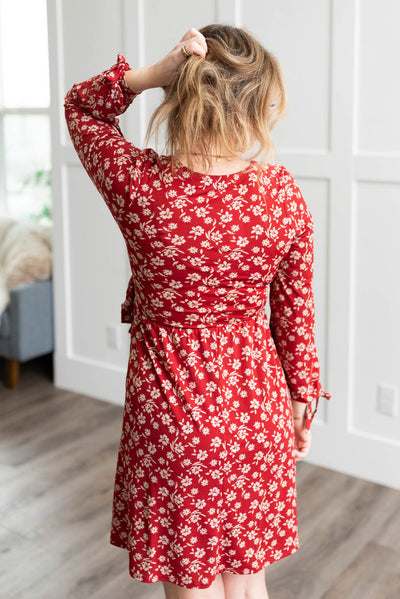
[26, 326]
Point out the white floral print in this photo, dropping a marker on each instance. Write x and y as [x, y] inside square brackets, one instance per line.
[205, 479]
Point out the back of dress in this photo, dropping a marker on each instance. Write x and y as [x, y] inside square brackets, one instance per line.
[205, 479]
[204, 248]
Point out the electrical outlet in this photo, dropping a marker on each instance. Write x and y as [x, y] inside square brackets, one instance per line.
[387, 400]
[113, 336]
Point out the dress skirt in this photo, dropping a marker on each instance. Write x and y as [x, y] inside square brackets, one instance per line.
[205, 480]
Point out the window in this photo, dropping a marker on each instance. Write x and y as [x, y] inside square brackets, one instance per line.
[24, 111]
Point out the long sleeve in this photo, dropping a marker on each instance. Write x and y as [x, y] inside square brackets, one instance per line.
[292, 319]
[113, 164]
[91, 110]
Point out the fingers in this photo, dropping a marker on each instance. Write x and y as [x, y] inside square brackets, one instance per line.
[195, 48]
[194, 43]
[301, 453]
[189, 34]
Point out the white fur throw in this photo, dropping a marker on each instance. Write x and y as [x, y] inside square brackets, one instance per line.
[25, 255]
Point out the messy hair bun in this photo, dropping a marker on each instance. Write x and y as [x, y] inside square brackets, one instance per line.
[228, 101]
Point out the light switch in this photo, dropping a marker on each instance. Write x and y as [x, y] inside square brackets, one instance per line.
[387, 400]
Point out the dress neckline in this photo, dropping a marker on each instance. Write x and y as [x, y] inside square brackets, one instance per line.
[179, 166]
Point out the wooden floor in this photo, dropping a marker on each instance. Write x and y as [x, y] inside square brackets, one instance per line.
[57, 458]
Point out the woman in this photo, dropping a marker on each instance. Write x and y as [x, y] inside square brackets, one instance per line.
[218, 399]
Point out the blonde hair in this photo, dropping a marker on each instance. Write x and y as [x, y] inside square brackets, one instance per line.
[227, 102]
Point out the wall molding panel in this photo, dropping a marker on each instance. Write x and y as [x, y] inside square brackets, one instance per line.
[341, 141]
[229, 12]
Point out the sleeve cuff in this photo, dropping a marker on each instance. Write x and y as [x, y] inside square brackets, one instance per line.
[115, 75]
[117, 71]
[310, 412]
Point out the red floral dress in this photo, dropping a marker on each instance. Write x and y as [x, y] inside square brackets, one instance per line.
[205, 480]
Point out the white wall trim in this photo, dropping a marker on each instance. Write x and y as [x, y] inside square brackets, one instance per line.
[229, 12]
[371, 451]
[133, 34]
[91, 378]
[384, 168]
[60, 226]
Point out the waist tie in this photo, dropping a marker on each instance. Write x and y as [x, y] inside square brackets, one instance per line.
[127, 305]
[128, 314]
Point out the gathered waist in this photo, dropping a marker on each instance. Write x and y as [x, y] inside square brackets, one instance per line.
[135, 311]
[201, 322]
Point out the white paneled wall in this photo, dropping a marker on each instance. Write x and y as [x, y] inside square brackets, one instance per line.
[299, 34]
[341, 140]
[378, 89]
[377, 301]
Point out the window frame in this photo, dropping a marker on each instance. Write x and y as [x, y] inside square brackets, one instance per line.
[19, 111]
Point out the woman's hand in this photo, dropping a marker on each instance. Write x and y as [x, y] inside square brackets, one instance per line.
[302, 436]
[161, 73]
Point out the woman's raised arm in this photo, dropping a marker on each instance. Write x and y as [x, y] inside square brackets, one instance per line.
[91, 111]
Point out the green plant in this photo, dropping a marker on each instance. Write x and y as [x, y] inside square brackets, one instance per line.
[40, 178]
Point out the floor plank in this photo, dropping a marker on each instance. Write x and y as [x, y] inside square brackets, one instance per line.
[57, 460]
[368, 575]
